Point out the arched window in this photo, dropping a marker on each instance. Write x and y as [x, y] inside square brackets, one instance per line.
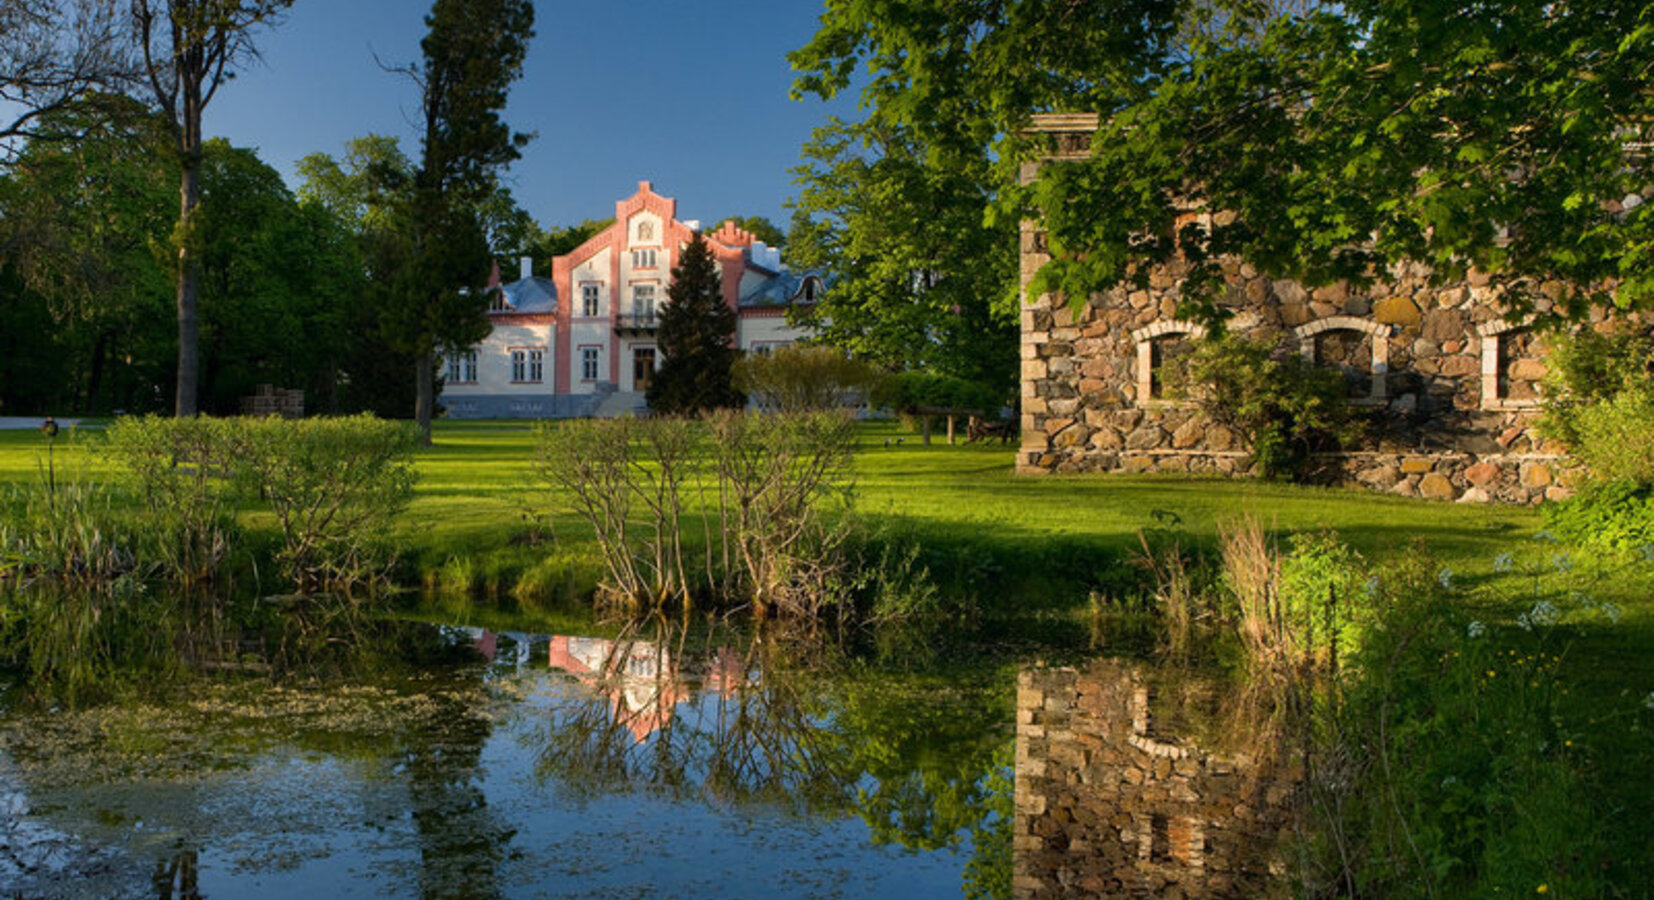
[1158, 346]
[645, 231]
[1513, 365]
[1359, 347]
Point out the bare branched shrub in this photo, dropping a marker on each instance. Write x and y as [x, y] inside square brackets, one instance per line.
[766, 490]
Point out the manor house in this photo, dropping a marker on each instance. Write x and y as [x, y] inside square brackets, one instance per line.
[1451, 380]
[582, 343]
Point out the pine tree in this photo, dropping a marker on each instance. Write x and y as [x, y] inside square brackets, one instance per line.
[696, 338]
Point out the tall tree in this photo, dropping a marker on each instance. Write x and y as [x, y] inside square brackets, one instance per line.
[472, 52]
[1335, 138]
[81, 226]
[53, 53]
[920, 282]
[696, 339]
[190, 49]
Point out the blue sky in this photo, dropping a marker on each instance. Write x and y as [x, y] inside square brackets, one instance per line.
[691, 96]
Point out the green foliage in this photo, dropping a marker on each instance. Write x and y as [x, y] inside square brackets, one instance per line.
[1337, 134]
[182, 472]
[1587, 368]
[1283, 406]
[1444, 769]
[918, 279]
[1599, 400]
[1617, 516]
[697, 329]
[803, 379]
[71, 531]
[85, 318]
[336, 486]
[436, 254]
[909, 392]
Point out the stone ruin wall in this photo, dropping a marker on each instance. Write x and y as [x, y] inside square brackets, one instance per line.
[1451, 387]
[1109, 805]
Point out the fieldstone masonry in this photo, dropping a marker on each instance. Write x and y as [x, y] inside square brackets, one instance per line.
[1451, 385]
[1110, 805]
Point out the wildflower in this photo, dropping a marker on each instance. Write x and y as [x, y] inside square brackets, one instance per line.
[1612, 611]
[1504, 562]
[1476, 629]
[1372, 587]
[1648, 702]
[1545, 537]
[1563, 562]
[1647, 551]
[1445, 576]
[1543, 613]
[1544, 888]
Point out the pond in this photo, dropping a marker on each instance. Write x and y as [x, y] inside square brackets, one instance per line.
[643, 759]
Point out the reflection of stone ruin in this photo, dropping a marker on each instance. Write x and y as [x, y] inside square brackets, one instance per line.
[1107, 804]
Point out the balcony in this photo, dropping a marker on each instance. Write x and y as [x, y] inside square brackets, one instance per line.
[636, 323]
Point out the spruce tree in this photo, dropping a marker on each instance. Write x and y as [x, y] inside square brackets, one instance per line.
[696, 339]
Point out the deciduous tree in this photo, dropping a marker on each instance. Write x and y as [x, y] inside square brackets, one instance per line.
[190, 49]
[1334, 138]
[53, 53]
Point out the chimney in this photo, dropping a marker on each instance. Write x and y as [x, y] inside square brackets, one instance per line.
[526, 267]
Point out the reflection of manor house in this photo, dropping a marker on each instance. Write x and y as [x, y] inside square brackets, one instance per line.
[1108, 804]
[582, 342]
[641, 677]
[1452, 381]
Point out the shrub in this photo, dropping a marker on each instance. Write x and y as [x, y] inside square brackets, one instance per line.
[1587, 368]
[803, 379]
[182, 473]
[1612, 515]
[763, 486]
[336, 486]
[1283, 406]
[1600, 402]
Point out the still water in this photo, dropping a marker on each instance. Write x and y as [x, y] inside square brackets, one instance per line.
[442, 761]
[409, 759]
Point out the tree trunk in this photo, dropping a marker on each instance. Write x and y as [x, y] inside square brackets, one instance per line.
[189, 276]
[424, 399]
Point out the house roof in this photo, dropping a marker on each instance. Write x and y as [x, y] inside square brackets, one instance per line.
[530, 295]
[780, 289]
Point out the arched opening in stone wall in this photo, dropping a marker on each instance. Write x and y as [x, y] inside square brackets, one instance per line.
[1513, 365]
[1350, 352]
[1162, 348]
[1358, 347]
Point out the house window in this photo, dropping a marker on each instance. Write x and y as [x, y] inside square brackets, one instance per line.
[588, 363]
[498, 303]
[462, 367]
[643, 301]
[536, 366]
[1159, 347]
[519, 365]
[588, 300]
[767, 348]
[643, 259]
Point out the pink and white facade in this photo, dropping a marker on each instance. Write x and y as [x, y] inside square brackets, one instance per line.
[582, 343]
